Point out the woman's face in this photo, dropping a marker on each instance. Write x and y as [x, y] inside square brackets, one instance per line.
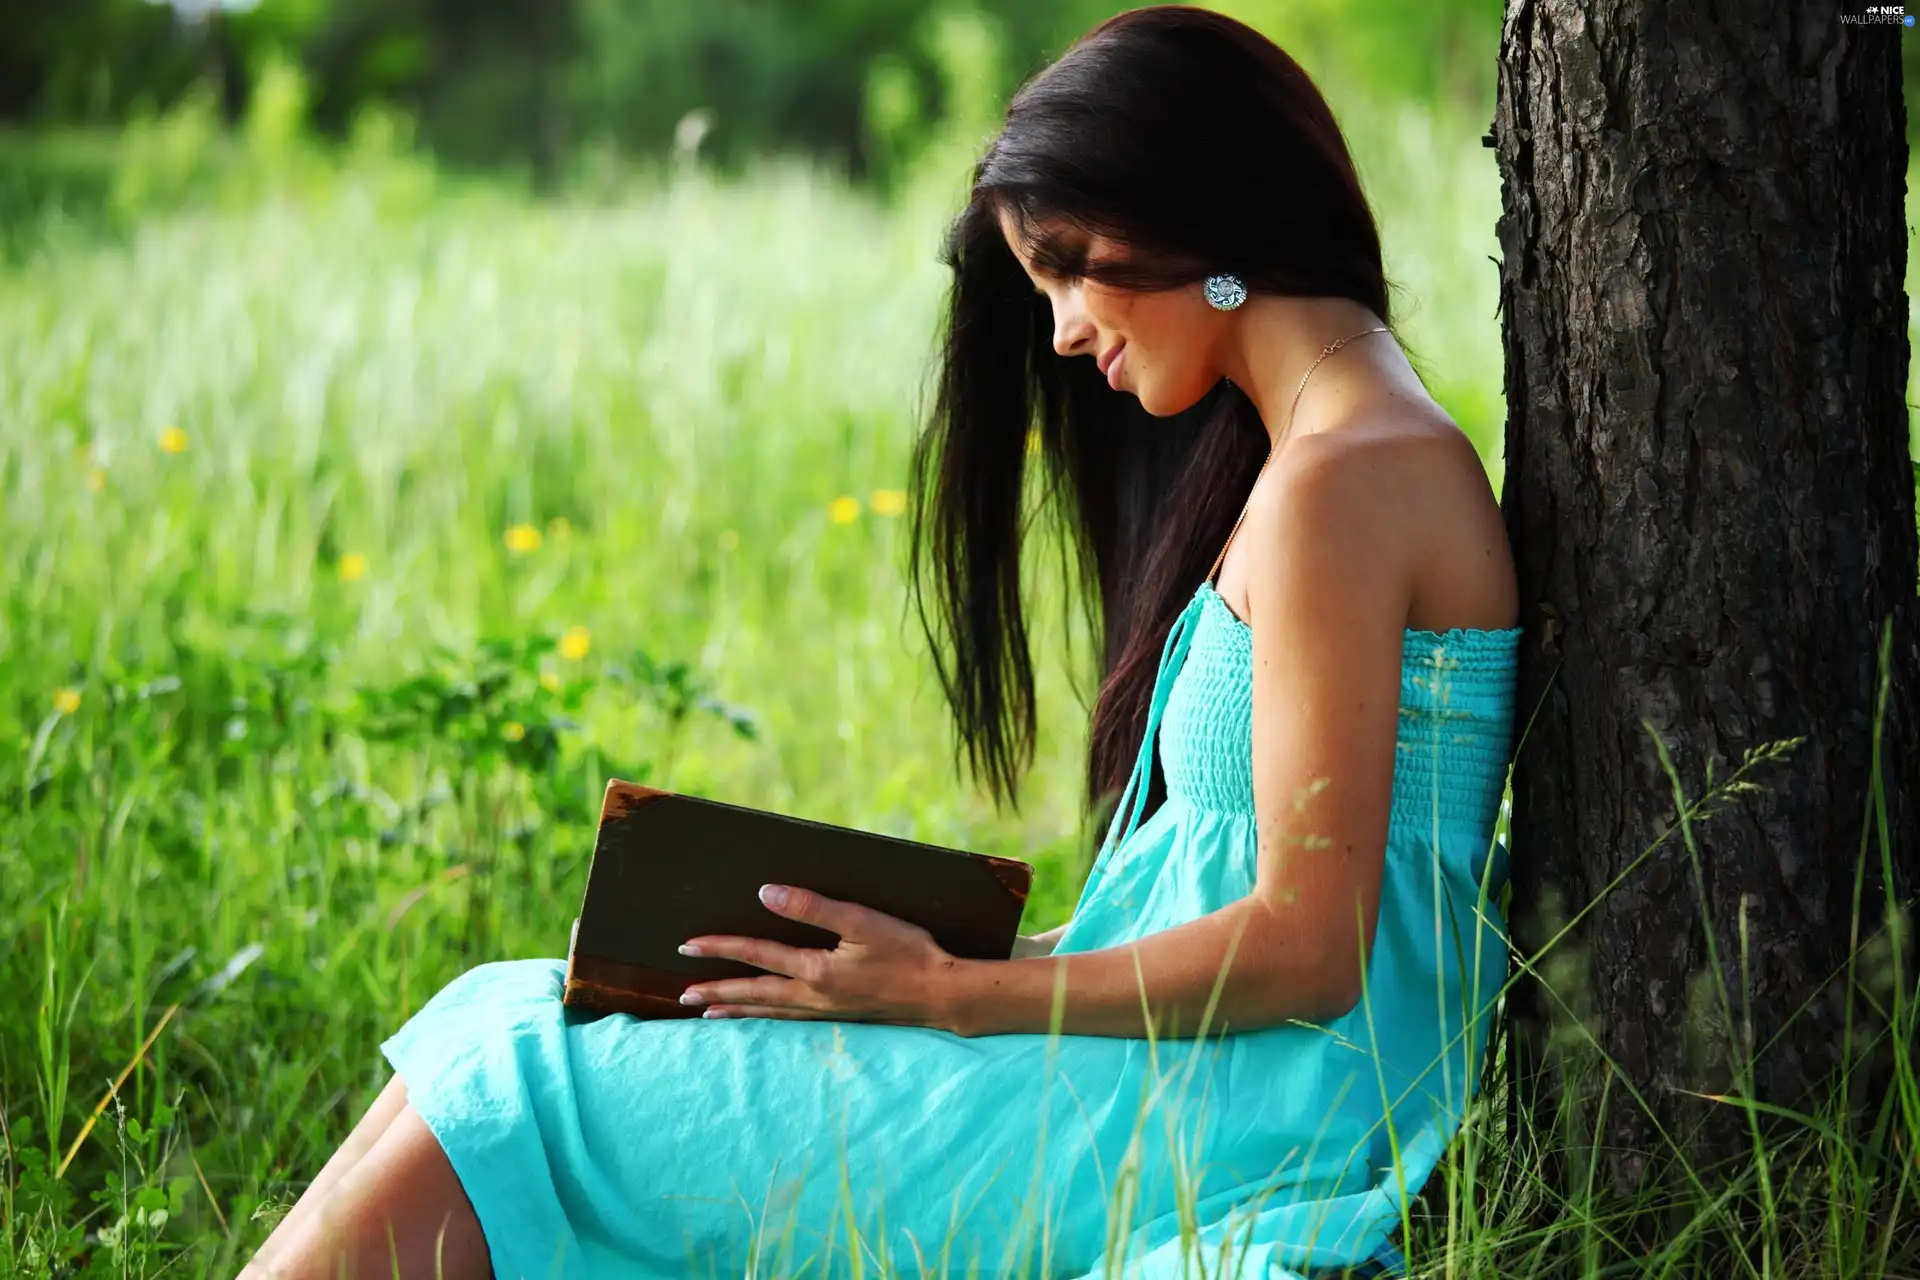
[1162, 346]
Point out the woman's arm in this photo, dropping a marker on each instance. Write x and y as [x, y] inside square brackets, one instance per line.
[1327, 640]
[1271, 979]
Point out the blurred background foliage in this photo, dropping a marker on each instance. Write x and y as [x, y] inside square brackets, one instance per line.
[534, 84]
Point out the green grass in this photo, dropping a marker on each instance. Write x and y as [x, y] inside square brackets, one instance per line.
[292, 742]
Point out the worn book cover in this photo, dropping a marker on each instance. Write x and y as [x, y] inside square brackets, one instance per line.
[668, 867]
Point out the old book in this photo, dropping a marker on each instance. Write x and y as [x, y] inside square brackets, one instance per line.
[668, 867]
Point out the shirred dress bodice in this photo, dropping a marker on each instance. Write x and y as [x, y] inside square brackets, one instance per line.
[1455, 687]
[1451, 749]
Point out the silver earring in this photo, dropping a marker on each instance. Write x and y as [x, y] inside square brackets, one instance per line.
[1224, 291]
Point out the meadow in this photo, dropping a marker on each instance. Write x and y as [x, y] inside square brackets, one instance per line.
[360, 523]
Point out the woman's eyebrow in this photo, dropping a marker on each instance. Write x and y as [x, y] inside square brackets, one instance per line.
[1058, 252]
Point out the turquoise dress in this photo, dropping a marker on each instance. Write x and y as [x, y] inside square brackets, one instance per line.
[653, 1149]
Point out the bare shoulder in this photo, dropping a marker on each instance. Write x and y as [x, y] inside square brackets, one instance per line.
[1415, 490]
[1400, 475]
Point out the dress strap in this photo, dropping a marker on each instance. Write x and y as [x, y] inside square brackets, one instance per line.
[1221, 558]
[1244, 507]
[1134, 798]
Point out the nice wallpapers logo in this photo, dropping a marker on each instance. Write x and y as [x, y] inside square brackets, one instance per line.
[1880, 15]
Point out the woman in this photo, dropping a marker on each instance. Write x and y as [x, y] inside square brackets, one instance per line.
[1275, 983]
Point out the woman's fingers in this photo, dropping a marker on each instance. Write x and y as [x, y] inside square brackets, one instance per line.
[878, 957]
[761, 953]
[850, 920]
[784, 992]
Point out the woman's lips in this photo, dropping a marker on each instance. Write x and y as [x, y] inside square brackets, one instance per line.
[1113, 368]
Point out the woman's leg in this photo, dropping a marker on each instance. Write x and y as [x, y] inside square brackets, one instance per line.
[372, 1125]
[400, 1206]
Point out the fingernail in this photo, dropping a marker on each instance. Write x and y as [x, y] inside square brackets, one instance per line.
[688, 949]
[692, 997]
[714, 1013]
[774, 895]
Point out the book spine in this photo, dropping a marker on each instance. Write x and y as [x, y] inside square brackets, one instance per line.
[610, 986]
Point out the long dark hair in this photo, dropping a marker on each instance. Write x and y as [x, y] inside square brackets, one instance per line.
[1202, 146]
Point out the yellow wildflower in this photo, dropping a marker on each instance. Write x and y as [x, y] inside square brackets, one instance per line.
[843, 509]
[173, 440]
[66, 701]
[729, 539]
[889, 502]
[96, 480]
[559, 528]
[353, 567]
[523, 539]
[550, 682]
[575, 643]
[513, 731]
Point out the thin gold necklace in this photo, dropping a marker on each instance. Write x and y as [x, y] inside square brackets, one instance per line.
[1325, 351]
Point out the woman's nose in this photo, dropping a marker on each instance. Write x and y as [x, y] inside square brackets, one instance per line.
[1072, 332]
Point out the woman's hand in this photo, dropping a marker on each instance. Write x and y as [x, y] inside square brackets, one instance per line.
[883, 970]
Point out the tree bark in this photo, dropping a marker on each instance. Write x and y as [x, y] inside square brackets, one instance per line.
[1711, 502]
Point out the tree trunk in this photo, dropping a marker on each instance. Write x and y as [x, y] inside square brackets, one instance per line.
[1711, 502]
